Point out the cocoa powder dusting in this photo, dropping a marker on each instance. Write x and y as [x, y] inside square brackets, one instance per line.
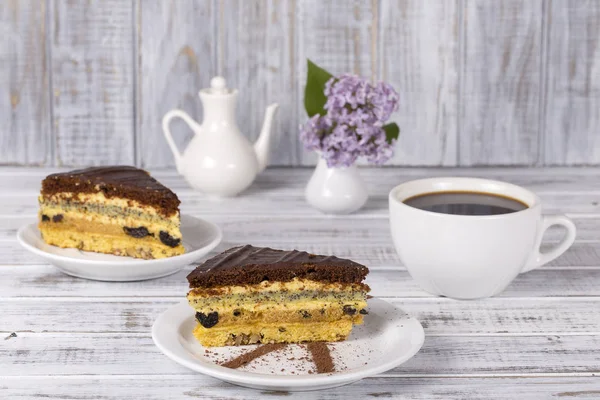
[321, 357]
[260, 351]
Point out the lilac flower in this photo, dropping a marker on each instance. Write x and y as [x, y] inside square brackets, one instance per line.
[352, 128]
[312, 133]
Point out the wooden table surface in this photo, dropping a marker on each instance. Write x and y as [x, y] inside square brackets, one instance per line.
[84, 339]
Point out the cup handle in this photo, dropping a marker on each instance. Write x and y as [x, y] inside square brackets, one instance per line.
[167, 132]
[538, 258]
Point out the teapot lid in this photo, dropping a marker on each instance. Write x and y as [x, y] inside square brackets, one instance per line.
[218, 85]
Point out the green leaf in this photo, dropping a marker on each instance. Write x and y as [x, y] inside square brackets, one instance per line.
[392, 131]
[314, 98]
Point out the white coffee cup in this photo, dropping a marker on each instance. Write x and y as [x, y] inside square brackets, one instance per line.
[469, 257]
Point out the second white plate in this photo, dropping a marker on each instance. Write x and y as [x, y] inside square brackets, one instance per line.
[387, 338]
[199, 238]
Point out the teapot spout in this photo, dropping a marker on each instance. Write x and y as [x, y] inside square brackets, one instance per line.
[262, 147]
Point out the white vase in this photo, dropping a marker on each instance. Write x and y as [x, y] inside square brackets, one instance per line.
[338, 190]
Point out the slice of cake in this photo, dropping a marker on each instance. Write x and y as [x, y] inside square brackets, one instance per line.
[250, 295]
[115, 210]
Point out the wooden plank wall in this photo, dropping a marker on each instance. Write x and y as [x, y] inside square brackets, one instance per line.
[512, 82]
[500, 73]
[25, 132]
[91, 46]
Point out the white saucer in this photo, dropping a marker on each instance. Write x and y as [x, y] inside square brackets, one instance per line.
[387, 338]
[199, 238]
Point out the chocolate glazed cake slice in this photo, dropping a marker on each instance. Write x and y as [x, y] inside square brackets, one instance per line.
[250, 295]
[116, 210]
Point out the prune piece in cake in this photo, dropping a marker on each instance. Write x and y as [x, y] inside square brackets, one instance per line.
[208, 320]
[349, 310]
[168, 239]
[45, 218]
[137, 233]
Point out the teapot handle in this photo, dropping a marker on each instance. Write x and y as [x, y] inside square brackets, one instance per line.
[167, 132]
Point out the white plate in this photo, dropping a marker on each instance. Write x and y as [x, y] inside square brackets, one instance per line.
[199, 238]
[387, 338]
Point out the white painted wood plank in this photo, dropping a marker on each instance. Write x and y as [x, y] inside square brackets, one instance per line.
[42, 280]
[572, 84]
[583, 254]
[418, 55]
[25, 134]
[133, 354]
[285, 181]
[257, 58]
[93, 81]
[308, 229]
[347, 231]
[562, 191]
[503, 315]
[200, 386]
[505, 355]
[580, 254]
[337, 35]
[12, 253]
[177, 56]
[289, 204]
[439, 316]
[382, 180]
[586, 254]
[500, 82]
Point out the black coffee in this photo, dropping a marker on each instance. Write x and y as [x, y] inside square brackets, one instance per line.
[465, 203]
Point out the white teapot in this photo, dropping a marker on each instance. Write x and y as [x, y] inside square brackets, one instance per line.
[219, 160]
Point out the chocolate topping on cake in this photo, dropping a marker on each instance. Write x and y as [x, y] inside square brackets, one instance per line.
[119, 181]
[249, 265]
